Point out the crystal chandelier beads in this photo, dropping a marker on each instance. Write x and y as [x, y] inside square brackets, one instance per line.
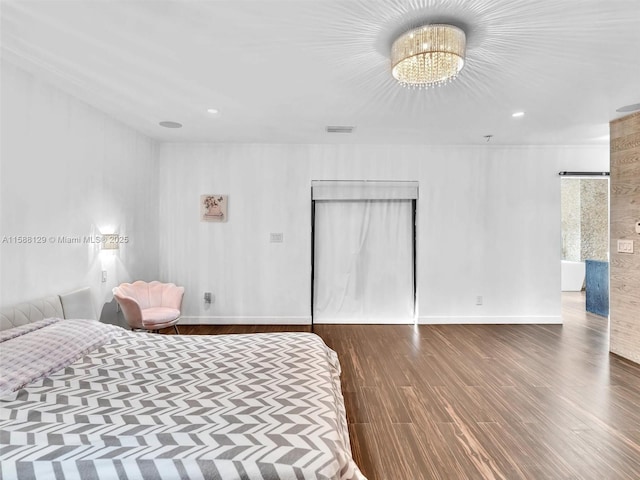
[428, 56]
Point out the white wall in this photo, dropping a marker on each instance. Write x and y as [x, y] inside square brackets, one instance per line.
[69, 170]
[488, 224]
[488, 216]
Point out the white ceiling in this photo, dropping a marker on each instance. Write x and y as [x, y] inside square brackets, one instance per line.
[280, 71]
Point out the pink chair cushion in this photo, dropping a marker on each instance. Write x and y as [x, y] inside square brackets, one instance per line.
[155, 315]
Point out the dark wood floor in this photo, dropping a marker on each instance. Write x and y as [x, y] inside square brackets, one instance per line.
[486, 402]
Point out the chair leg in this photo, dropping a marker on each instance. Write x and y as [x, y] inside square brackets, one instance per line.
[175, 327]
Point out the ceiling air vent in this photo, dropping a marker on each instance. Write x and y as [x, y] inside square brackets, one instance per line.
[339, 129]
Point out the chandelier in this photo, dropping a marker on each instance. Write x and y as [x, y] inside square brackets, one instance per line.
[428, 56]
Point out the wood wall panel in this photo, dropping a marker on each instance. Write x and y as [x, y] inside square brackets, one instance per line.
[625, 212]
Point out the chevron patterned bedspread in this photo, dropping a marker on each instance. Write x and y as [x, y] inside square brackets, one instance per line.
[106, 403]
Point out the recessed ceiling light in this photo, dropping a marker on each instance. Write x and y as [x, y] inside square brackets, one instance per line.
[169, 124]
[629, 108]
[517, 114]
[213, 111]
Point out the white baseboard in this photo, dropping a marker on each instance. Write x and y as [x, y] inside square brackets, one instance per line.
[245, 320]
[368, 321]
[491, 320]
[422, 320]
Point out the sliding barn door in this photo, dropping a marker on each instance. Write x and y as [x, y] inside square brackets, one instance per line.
[364, 256]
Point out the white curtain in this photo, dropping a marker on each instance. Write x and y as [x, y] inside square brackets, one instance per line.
[363, 261]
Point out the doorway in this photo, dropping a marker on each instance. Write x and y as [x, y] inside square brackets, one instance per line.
[585, 232]
[364, 252]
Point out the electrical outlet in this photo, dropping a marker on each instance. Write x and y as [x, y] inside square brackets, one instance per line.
[479, 300]
[207, 297]
[276, 238]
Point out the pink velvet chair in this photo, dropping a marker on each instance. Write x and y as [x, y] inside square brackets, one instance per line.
[150, 306]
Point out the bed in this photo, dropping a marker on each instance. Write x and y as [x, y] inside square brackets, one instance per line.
[84, 399]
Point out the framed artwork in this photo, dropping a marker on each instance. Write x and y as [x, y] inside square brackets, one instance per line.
[213, 208]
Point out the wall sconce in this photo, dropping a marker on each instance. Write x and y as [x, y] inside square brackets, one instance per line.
[110, 241]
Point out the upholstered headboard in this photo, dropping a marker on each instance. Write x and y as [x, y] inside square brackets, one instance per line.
[76, 304]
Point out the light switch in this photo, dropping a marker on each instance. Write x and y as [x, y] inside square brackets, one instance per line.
[625, 246]
[276, 238]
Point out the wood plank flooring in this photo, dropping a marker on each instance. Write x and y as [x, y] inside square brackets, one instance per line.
[485, 402]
